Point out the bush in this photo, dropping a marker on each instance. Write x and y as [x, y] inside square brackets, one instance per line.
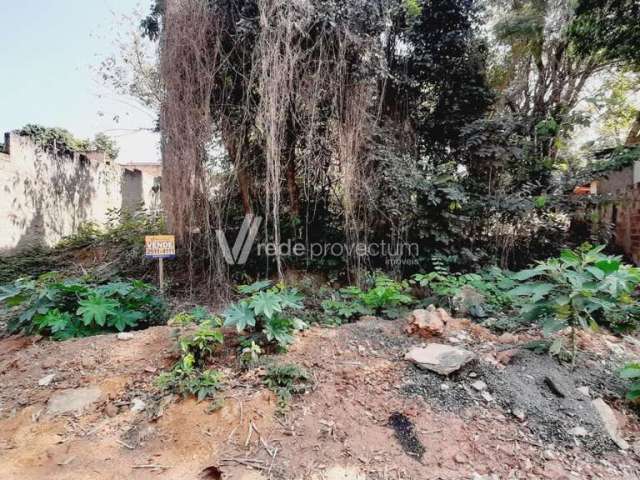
[267, 311]
[582, 288]
[632, 372]
[385, 296]
[190, 375]
[492, 284]
[287, 380]
[66, 308]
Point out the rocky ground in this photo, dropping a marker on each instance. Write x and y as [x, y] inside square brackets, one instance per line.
[88, 409]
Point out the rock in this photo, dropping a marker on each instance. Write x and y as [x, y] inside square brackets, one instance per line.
[610, 422]
[487, 396]
[584, 391]
[505, 356]
[549, 455]
[111, 410]
[467, 300]
[428, 323]
[73, 400]
[578, 432]
[137, 405]
[479, 385]
[519, 414]
[439, 358]
[444, 386]
[556, 386]
[124, 336]
[46, 381]
[508, 338]
[460, 458]
[368, 318]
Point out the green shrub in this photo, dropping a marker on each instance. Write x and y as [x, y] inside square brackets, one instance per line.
[66, 308]
[202, 343]
[267, 311]
[632, 372]
[184, 379]
[385, 296]
[190, 375]
[581, 288]
[287, 380]
[196, 315]
[492, 284]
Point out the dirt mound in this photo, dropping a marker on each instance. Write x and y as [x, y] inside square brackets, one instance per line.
[341, 427]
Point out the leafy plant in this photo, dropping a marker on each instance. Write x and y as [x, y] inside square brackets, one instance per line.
[287, 380]
[190, 375]
[385, 296]
[492, 284]
[581, 288]
[66, 308]
[632, 372]
[196, 315]
[202, 343]
[251, 351]
[186, 380]
[267, 311]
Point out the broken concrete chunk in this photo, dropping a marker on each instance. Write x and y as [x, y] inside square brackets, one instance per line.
[479, 385]
[610, 422]
[519, 414]
[46, 381]
[578, 432]
[487, 397]
[138, 405]
[584, 391]
[73, 400]
[439, 358]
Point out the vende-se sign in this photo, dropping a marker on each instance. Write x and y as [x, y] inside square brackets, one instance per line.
[160, 246]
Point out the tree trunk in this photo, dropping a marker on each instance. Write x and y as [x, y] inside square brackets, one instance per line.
[234, 144]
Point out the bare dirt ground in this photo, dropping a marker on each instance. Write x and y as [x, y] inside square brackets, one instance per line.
[370, 415]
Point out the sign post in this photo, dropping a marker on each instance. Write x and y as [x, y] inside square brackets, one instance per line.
[160, 247]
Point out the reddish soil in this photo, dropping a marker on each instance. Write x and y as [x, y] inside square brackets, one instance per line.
[342, 422]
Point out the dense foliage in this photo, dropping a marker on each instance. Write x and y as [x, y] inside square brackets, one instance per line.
[66, 308]
[464, 130]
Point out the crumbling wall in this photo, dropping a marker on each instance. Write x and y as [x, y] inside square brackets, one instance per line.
[45, 196]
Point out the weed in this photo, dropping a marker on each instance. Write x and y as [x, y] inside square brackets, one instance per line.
[581, 288]
[268, 311]
[184, 379]
[386, 296]
[66, 308]
[202, 343]
[632, 372]
[196, 315]
[190, 375]
[286, 380]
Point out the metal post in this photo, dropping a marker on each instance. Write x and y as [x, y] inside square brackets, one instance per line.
[161, 273]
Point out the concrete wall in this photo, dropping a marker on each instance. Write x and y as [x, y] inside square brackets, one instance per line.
[617, 182]
[44, 197]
